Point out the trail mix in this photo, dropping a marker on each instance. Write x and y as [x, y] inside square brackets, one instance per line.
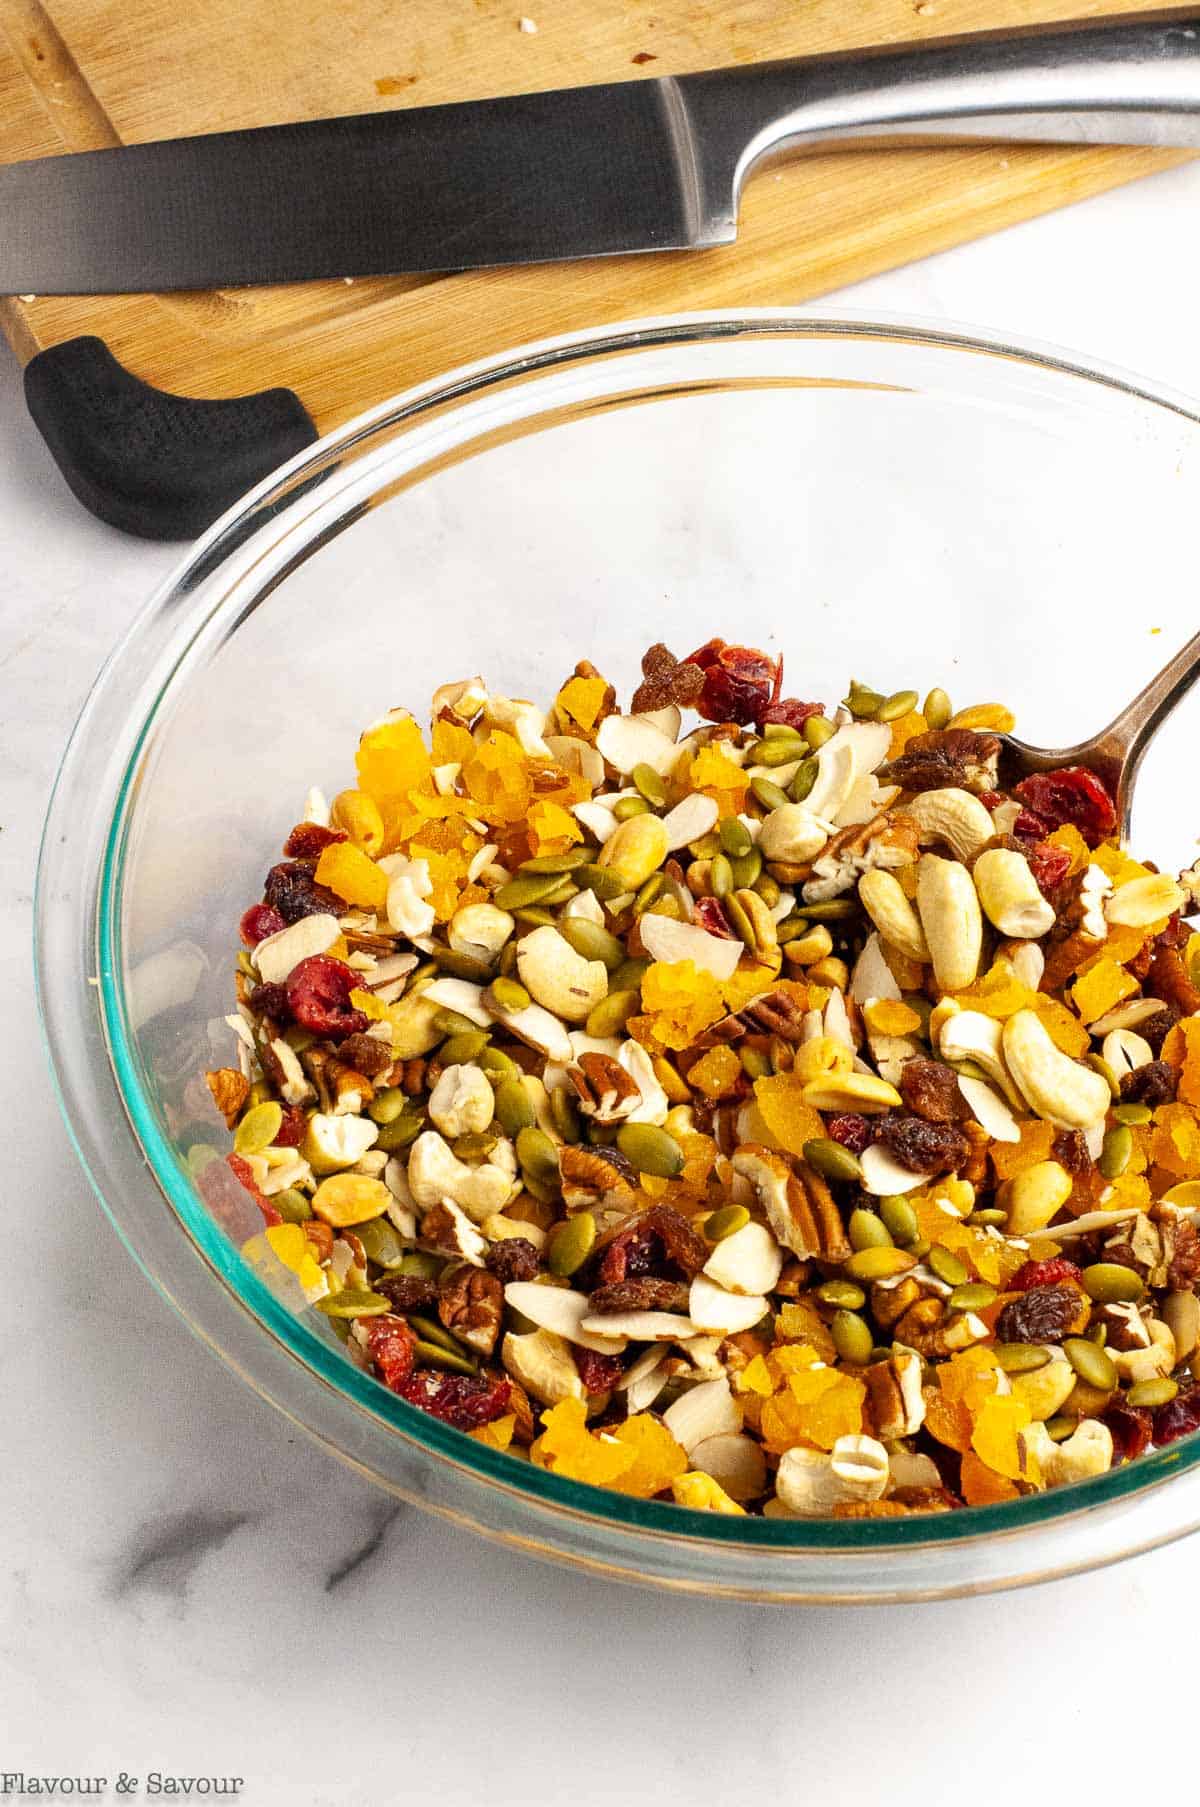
[791, 1115]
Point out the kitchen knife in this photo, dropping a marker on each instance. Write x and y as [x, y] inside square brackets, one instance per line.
[647, 165]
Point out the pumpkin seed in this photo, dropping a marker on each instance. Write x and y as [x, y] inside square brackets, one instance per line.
[462, 966]
[565, 888]
[817, 730]
[449, 1022]
[726, 1222]
[990, 1215]
[475, 1145]
[537, 1155]
[498, 1065]
[706, 846]
[528, 888]
[1021, 1358]
[535, 917]
[599, 880]
[948, 1267]
[351, 1302]
[1116, 1153]
[739, 920]
[258, 1128]
[651, 1150]
[791, 929]
[629, 975]
[1091, 1363]
[780, 749]
[421, 1264]
[514, 1107]
[767, 888]
[1097, 1333]
[720, 876]
[509, 995]
[835, 909]
[1059, 1428]
[901, 702]
[768, 793]
[1108, 1283]
[802, 783]
[937, 710]
[381, 1242]
[900, 1219]
[571, 1244]
[734, 836]
[862, 702]
[746, 869]
[625, 808]
[650, 785]
[1152, 1392]
[650, 892]
[851, 1337]
[564, 1116]
[260, 1093]
[570, 861]
[592, 942]
[1134, 1114]
[294, 1207]
[458, 1050]
[436, 1357]
[434, 1331]
[972, 1297]
[866, 1231]
[878, 1263]
[755, 1063]
[611, 1014]
[832, 1160]
[842, 1293]
[400, 1131]
[919, 1249]
[1099, 1065]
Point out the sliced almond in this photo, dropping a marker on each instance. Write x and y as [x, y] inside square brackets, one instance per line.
[709, 1410]
[735, 1462]
[711, 1307]
[539, 1030]
[629, 740]
[990, 1110]
[883, 1177]
[276, 955]
[563, 1311]
[872, 978]
[597, 818]
[667, 940]
[639, 1327]
[690, 820]
[747, 1262]
[645, 1378]
[460, 995]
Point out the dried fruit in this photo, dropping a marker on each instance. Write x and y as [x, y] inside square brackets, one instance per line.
[1043, 1314]
[1049, 865]
[1055, 1272]
[462, 1400]
[851, 1130]
[318, 996]
[666, 680]
[515, 1258]
[739, 683]
[259, 921]
[599, 1373]
[924, 1147]
[308, 840]
[1178, 1418]
[391, 1345]
[1131, 1428]
[1153, 1084]
[1072, 795]
[292, 891]
[930, 1089]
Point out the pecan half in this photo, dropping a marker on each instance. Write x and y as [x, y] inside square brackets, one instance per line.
[895, 1401]
[774, 1013]
[605, 1090]
[230, 1090]
[798, 1204]
[929, 1329]
[471, 1305]
[1169, 979]
[594, 1177]
[340, 1087]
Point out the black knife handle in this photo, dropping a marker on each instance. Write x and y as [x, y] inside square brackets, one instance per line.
[157, 465]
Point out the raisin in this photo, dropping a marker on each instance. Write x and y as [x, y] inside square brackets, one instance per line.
[740, 683]
[1045, 1273]
[270, 1000]
[640, 1295]
[934, 770]
[1049, 865]
[259, 921]
[924, 1147]
[666, 679]
[1130, 1426]
[291, 1131]
[366, 1055]
[931, 1090]
[659, 1240]
[318, 995]
[408, 1292]
[1073, 795]
[308, 840]
[710, 914]
[789, 712]
[513, 1259]
[957, 757]
[463, 1400]
[1156, 1028]
[1044, 1314]
[294, 892]
[683, 1246]
[851, 1130]
[631, 1253]
[599, 1373]
[1069, 1148]
[1155, 1083]
[391, 1345]
[1178, 1418]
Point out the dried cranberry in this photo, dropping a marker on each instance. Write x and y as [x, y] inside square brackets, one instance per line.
[408, 1292]
[391, 1345]
[291, 1131]
[259, 921]
[318, 995]
[710, 914]
[599, 1373]
[992, 800]
[308, 840]
[739, 682]
[464, 1400]
[1073, 795]
[681, 1244]
[924, 1147]
[1178, 1418]
[1155, 1083]
[661, 1239]
[231, 1202]
[292, 890]
[513, 1259]
[789, 712]
[1044, 1314]
[1130, 1426]
[244, 1175]
[851, 1130]
[1049, 865]
[1029, 829]
[270, 1000]
[1044, 1273]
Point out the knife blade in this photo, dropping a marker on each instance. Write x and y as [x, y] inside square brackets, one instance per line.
[636, 166]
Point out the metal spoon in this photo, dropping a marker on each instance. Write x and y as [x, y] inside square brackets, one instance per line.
[1114, 753]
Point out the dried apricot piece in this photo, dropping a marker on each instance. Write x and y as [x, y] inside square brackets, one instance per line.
[658, 1458]
[1103, 985]
[352, 876]
[981, 1485]
[998, 1440]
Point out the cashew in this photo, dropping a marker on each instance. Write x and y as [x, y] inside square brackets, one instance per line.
[1181, 1315]
[969, 1035]
[1034, 1197]
[1058, 1088]
[1141, 901]
[462, 1101]
[811, 1483]
[480, 930]
[462, 699]
[948, 906]
[277, 954]
[709, 1410]
[1125, 1052]
[629, 740]
[792, 834]
[1010, 896]
[332, 1143]
[559, 978]
[436, 1173]
[892, 914]
[522, 719]
[1087, 1451]
[409, 885]
[1150, 1363]
[543, 1364]
[1047, 1388]
[1094, 889]
[953, 816]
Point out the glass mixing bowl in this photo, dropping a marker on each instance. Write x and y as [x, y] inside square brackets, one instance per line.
[909, 504]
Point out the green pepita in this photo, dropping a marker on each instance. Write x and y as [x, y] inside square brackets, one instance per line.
[852, 1337]
[611, 1014]
[768, 793]
[937, 710]
[862, 702]
[462, 966]
[843, 1294]
[564, 1115]
[817, 730]
[601, 881]
[781, 749]
[1153, 1392]
[878, 1263]
[1099, 1065]
[199, 1156]
[726, 1221]
[1021, 1358]
[476, 1145]
[972, 1297]
[1134, 1114]
[434, 1356]
[514, 1107]
[651, 786]
[901, 702]
[509, 995]
[353, 1303]
[832, 1160]
[625, 808]
[767, 888]
[629, 975]
[791, 929]
[458, 1050]
[734, 836]
[755, 1064]
[948, 1268]
[528, 888]
[1117, 1152]
[834, 909]
[746, 869]
[867, 1231]
[593, 942]
[537, 1155]
[1060, 1427]
[498, 1065]
[293, 1206]
[570, 861]
[258, 1128]
[381, 1242]
[571, 1244]
[400, 1131]
[420, 1264]
[900, 1219]
[450, 1022]
[1108, 1283]
[802, 783]
[650, 1149]
[1091, 1363]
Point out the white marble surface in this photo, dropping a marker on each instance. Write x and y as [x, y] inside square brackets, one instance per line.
[189, 1587]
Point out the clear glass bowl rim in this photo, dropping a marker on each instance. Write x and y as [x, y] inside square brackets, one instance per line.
[202, 1264]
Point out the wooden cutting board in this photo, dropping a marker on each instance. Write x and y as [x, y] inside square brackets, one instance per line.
[81, 74]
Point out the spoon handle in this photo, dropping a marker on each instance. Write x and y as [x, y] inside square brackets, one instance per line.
[1126, 737]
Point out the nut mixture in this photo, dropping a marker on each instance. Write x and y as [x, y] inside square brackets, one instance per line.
[787, 1116]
